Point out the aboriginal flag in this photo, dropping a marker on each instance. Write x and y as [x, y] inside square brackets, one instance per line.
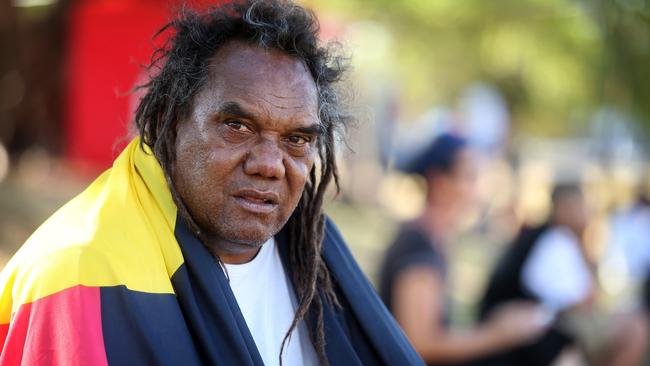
[114, 278]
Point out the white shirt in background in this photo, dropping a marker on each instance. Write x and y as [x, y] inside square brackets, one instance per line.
[267, 301]
[556, 270]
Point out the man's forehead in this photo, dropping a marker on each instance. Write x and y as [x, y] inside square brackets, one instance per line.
[267, 79]
[244, 62]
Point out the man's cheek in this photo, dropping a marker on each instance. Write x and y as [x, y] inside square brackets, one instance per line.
[302, 169]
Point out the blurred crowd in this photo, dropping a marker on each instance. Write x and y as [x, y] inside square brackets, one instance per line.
[541, 303]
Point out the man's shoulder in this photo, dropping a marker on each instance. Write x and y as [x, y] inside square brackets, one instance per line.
[331, 230]
[64, 244]
[36, 272]
[333, 239]
[337, 254]
[85, 243]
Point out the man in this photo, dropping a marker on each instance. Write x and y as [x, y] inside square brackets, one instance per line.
[205, 243]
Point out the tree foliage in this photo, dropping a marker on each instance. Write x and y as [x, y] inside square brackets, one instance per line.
[556, 61]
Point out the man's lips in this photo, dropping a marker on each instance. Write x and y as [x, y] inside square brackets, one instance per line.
[257, 201]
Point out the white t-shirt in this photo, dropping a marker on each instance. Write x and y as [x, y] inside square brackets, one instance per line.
[556, 270]
[267, 301]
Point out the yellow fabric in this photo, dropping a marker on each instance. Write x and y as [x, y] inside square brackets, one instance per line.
[119, 231]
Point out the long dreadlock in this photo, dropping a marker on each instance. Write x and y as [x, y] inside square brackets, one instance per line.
[180, 70]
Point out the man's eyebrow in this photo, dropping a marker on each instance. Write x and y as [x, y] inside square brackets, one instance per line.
[314, 129]
[235, 110]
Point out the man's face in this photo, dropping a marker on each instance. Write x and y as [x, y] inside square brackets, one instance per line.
[245, 151]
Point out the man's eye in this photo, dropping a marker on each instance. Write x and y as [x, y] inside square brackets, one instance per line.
[237, 126]
[299, 140]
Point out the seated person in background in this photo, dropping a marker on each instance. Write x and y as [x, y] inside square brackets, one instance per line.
[547, 264]
[413, 274]
[544, 264]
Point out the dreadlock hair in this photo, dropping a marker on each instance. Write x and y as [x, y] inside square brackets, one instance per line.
[180, 70]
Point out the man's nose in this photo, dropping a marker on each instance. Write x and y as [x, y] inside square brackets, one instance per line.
[265, 159]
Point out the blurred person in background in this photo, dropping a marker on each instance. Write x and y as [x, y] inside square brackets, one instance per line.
[414, 272]
[627, 258]
[628, 251]
[547, 264]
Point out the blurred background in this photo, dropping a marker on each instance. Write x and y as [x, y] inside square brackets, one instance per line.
[548, 91]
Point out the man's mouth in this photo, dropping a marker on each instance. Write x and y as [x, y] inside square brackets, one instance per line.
[257, 201]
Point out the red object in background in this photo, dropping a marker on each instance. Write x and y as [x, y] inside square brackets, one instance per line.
[109, 42]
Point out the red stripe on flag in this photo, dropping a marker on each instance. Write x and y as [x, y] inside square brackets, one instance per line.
[64, 328]
[4, 329]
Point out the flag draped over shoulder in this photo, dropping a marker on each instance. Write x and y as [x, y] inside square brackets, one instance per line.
[115, 278]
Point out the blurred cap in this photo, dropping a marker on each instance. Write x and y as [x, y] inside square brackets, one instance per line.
[439, 155]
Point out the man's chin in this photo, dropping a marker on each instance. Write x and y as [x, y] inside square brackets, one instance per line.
[244, 233]
[248, 237]
[250, 241]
